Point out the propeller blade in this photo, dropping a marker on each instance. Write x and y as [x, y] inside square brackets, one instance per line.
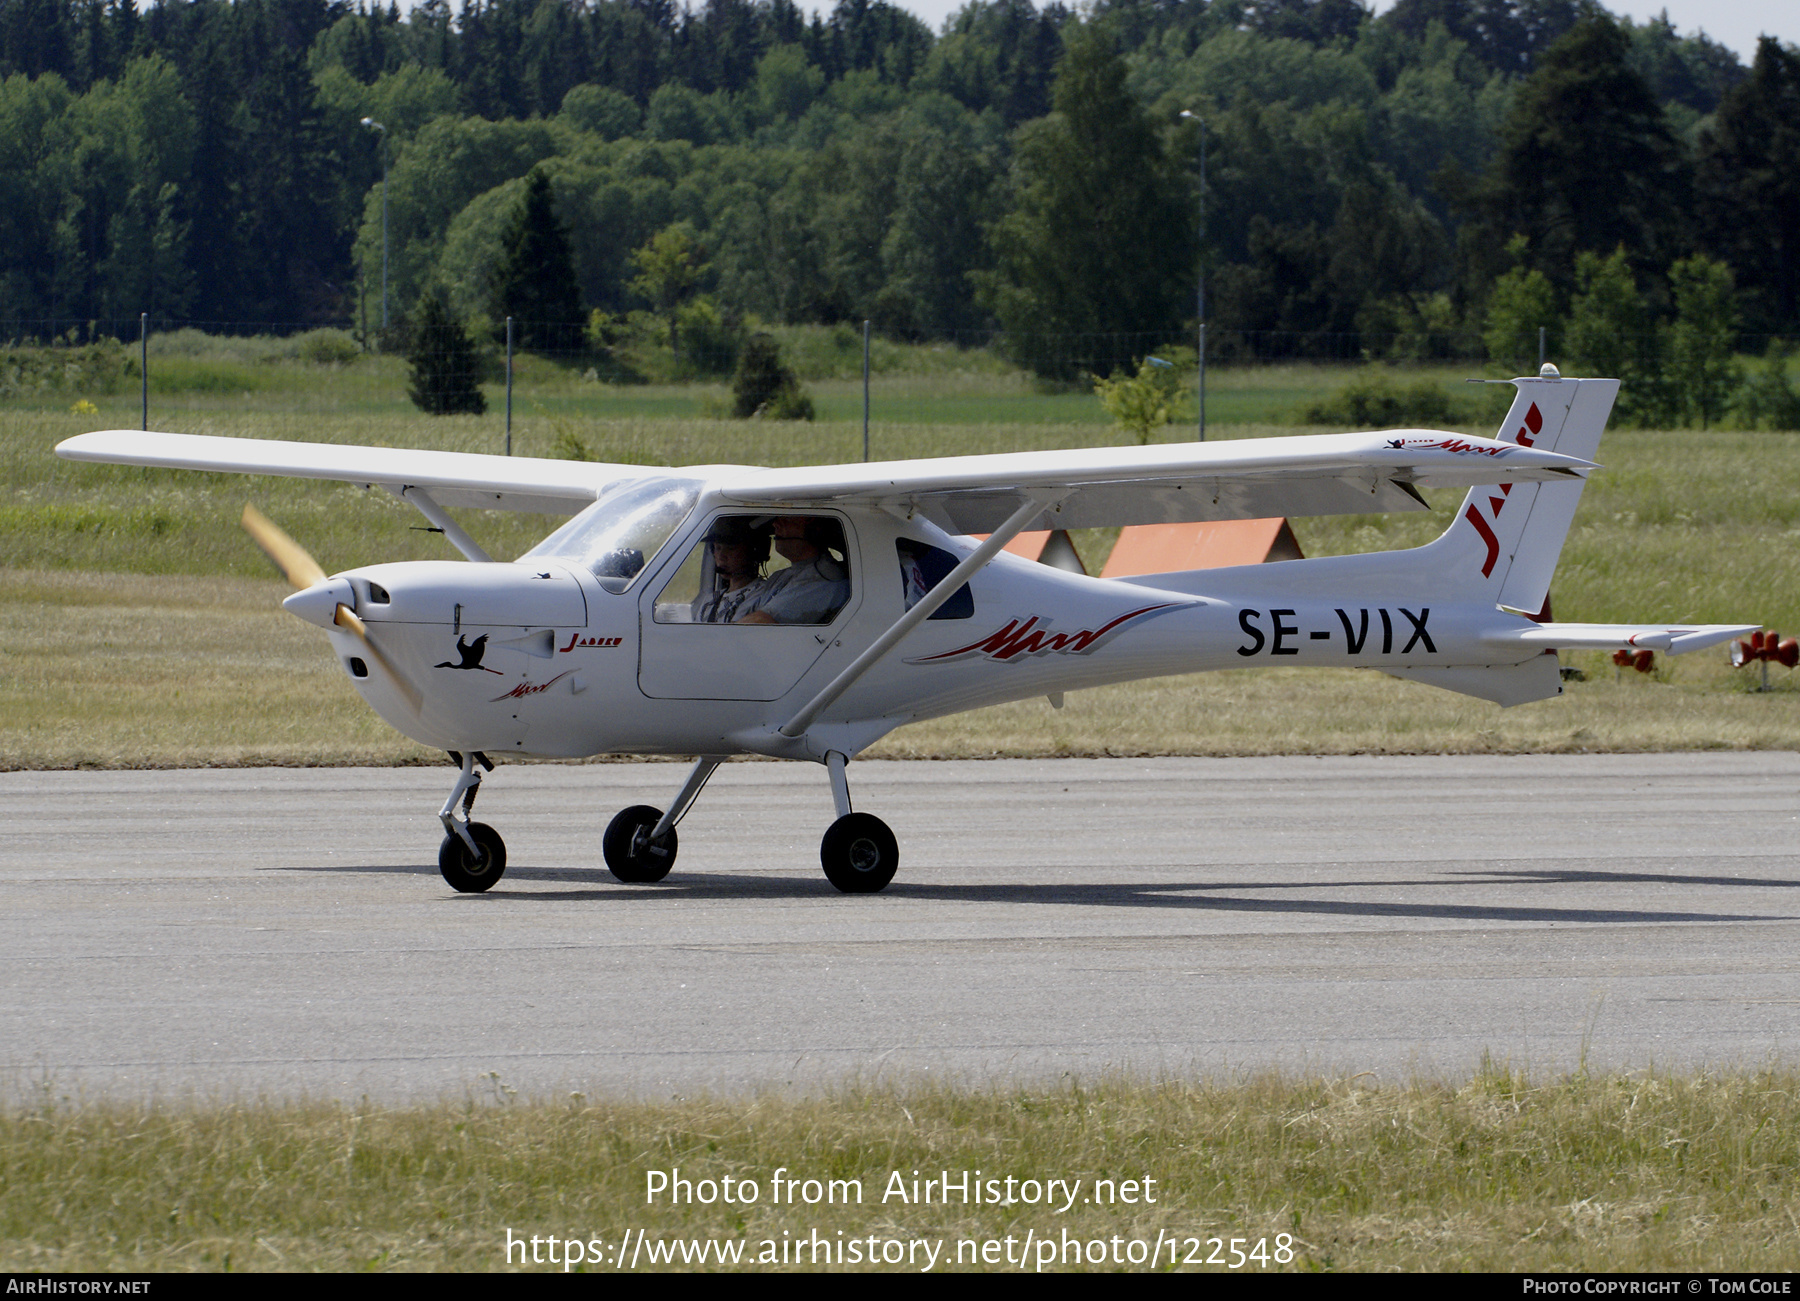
[347, 620]
[304, 572]
[289, 556]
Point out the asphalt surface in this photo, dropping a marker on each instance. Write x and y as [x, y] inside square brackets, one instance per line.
[242, 933]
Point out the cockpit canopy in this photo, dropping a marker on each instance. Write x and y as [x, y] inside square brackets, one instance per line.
[622, 532]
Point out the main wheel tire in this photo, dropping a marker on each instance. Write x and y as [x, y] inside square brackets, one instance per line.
[465, 872]
[859, 854]
[631, 858]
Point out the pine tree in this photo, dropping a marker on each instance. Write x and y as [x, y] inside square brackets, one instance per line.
[1749, 188]
[1101, 242]
[535, 282]
[1587, 162]
[445, 368]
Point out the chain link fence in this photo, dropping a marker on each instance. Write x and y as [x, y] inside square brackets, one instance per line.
[472, 367]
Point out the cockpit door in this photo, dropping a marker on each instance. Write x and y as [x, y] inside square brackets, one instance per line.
[696, 643]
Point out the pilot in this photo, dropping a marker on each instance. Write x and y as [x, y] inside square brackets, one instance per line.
[813, 587]
[739, 550]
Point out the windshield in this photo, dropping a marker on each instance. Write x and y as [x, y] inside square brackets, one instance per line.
[621, 533]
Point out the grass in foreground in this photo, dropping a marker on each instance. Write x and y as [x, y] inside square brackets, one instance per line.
[1641, 1173]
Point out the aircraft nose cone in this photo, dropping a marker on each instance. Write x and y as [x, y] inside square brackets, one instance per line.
[318, 603]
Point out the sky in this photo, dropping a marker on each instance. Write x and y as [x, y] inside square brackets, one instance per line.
[1733, 23]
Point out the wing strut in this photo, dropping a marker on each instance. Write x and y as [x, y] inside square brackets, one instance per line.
[927, 606]
[453, 533]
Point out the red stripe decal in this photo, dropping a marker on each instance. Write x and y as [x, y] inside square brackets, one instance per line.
[1487, 536]
[1496, 503]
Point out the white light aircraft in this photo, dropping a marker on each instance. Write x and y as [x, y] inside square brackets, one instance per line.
[652, 621]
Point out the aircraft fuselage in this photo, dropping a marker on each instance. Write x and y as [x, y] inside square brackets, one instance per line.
[539, 657]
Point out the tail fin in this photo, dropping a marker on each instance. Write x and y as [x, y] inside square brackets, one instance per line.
[1505, 540]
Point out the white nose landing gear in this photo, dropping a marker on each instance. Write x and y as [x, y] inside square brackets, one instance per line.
[472, 856]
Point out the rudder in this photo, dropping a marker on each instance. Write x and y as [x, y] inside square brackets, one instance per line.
[1506, 539]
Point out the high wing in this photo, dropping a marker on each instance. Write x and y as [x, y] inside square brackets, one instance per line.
[1320, 474]
[452, 478]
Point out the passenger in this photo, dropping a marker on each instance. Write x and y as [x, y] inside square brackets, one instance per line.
[739, 550]
[813, 588]
[913, 586]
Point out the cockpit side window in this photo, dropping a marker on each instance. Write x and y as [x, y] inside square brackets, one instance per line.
[618, 536]
[761, 569]
[923, 567]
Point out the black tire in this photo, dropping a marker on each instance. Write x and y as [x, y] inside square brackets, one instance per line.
[649, 863]
[464, 872]
[859, 854]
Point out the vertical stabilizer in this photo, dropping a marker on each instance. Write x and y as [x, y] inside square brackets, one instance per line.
[1505, 540]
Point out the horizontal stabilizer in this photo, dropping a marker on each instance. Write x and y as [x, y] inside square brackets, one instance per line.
[1617, 636]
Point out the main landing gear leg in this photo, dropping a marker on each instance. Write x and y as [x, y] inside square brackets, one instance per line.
[859, 853]
[640, 843]
[472, 856]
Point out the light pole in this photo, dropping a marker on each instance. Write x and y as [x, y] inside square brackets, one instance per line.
[373, 125]
[1200, 292]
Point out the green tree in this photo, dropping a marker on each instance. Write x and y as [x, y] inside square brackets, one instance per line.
[445, 368]
[1522, 303]
[943, 199]
[1586, 161]
[1749, 187]
[1769, 396]
[765, 388]
[450, 162]
[1098, 249]
[670, 267]
[1142, 403]
[786, 84]
[606, 112]
[999, 55]
[1612, 335]
[145, 124]
[1703, 340]
[535, 280]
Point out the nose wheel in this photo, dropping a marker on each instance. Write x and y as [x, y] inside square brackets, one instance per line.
[472, 871]
[472, 856]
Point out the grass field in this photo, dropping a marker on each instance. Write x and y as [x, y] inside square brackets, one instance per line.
[1585, 1174]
